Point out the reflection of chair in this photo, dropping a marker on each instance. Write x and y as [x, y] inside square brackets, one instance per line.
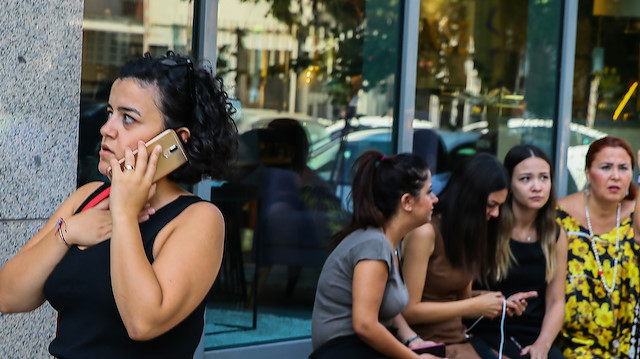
[426, 145]
[287, 231]
[297, 212]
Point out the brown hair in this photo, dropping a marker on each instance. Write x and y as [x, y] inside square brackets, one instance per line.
[545, 222]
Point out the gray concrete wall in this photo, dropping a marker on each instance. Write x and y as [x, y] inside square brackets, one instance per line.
[40, 64]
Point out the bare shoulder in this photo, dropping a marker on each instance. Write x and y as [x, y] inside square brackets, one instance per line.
[628, 205]
[200, 225]
[201, 215]
[572, 203]
[420, 240]
[423, 233]
[74, 201]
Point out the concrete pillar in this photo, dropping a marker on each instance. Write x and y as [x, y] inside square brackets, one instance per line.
[40, 65]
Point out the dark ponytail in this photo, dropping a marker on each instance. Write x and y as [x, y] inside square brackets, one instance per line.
[378, 184]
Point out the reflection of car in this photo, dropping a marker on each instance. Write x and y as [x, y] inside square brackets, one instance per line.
[442, 149]
[580, 138]
[316, 132]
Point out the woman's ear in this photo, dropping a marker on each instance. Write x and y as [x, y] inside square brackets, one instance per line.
[406, 201]
[184, 134]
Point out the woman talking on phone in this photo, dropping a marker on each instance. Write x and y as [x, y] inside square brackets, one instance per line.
[128, 265]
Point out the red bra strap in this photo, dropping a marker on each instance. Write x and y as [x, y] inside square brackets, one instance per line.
[97, 199]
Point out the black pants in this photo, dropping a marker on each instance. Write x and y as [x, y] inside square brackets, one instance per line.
[484, 349]
[349, 347]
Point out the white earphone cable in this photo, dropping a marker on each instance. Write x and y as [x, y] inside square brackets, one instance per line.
[504, 314]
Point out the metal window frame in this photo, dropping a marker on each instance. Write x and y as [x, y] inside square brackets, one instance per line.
[565, 94]
[406, 98]
[205, 46]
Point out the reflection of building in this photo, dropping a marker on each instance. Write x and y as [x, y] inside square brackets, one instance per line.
[269, 64]
[308, 67]
[115, 31]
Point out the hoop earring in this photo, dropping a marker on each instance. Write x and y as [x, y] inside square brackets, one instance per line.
[586, 189]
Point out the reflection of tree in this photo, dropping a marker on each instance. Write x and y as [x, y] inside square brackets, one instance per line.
[347, 64]
[347, 30]
[445, 43]
[610, 88]
[453, 31]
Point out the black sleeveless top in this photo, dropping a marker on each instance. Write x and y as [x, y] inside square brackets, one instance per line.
[528, 274]
[89, 324]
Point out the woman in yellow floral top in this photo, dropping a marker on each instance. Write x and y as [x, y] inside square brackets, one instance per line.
[602, 286]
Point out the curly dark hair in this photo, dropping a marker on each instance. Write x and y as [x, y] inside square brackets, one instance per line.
[192, 97]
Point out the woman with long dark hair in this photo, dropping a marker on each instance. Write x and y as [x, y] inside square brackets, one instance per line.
[441, 259]
[531, 262]
[361, 293]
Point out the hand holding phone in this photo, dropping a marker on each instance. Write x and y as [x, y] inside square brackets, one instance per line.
[517, 303]
[172, 156]
[437, 349]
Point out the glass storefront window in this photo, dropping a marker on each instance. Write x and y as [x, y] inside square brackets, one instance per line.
[487, 78]
[314, 85]
[115, 31]
[607, 68]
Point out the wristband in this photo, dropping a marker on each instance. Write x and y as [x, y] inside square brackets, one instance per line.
[406, 342]
[61, 227]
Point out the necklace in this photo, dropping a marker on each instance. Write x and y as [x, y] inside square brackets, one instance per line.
[523, 234]
[608, 288]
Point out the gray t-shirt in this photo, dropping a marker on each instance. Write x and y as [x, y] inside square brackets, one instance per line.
[333, 303]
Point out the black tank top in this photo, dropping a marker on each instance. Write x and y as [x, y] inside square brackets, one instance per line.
[528, 274]
[89, 324]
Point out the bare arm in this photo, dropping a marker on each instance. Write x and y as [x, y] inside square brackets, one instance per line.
[22, 278]
[152, 299]
[418, 247]
[555, 304]
[369, 281]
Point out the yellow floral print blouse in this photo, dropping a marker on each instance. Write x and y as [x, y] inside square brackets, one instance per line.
[598, 324]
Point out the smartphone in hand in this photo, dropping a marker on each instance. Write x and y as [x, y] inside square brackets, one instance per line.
[437, 349]
[533, 294]
[172, 156]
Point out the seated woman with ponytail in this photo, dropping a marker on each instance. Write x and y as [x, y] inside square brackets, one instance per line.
[361, 292]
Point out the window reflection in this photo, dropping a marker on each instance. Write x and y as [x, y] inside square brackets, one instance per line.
[607, 65]
[486, 78]
[314, 85]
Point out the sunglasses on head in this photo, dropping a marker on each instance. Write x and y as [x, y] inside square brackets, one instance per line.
[172, 61]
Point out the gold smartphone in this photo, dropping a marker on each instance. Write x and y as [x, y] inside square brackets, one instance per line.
[172, 157]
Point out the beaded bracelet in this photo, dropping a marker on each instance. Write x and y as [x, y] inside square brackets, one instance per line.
[60, 230]
[408, 341]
